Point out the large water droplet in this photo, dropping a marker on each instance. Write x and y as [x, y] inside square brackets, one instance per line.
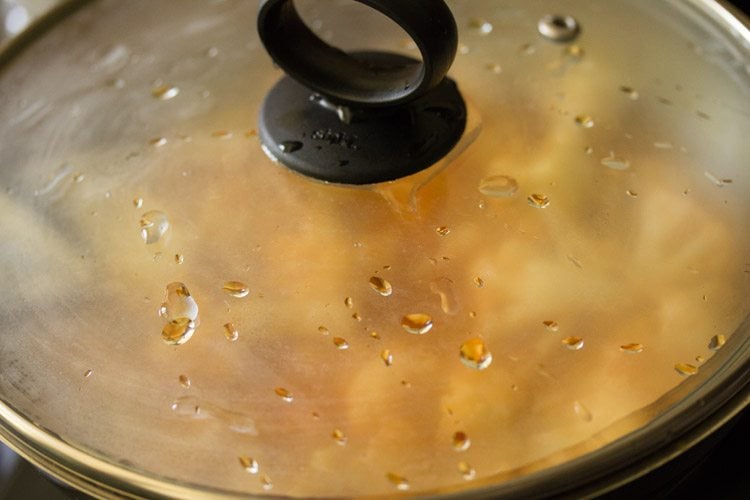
[573, 343]
[381, 285]
[236, 289]
[179, 303]
[400, 482]
[178, 331]
[498, 186]
[249, 464]
[461, 441]
[417, 323]
[153, 226]
[474, 354]
[685, 369]
[717, 342]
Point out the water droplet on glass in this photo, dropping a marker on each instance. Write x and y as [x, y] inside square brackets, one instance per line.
[444, 288]
[137, 202]
[165, 92]
[179, 303]
[184, 381]
[498, 186]
[400, 482]
[284, 394]
[236, 289]
[631, 193]
[153, 226]
[443, 230]
[480, 26]
[551, 325]
[584, 121]
[265, 483]
[479, 282]
[717, 342]
[558, 28]
[249, 464]
[630, 92]
[88, 373]
[348, 302]
[685, 369]
[178, 331]
[582, 412]
[356, 316]
[417, 323]
[538, 200]
[339, 437]
[632, 348]
[461, 441]
[615, 163]
[290, 146]
[157, 142]
[231, 333]
[340, 343]
[323, 330]
[467, 471]
[474, 354]
[380, 285]
[573, 343]
[387, 357]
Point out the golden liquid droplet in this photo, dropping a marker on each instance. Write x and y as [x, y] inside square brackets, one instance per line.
[443, 230]
[417, 323]
[323, 330]
[266, 483]
[348, 302]
[551, 325]
[165, 92]
[88, 373]
[380, 285]
[717, 342]
[584, 121]
[178, 258]
[153, 226]
[339, 437]
[582, 412]
[573, 343]
[249, 464]
[340, 343]
[400, 482]
[284, 394]
[632, 348]
[184, 381]
[699, 359]
[479, 282]
[222, 134]
[461, 441]
[538, 200]
[374, 334]
[137, 202]
[467, 471]
[474, 354]
[231, 333]
[356, 316]
[387, 357]
[631, 193]
[498, 186]
[236, 289]
[178, 331]
[686, 369]
[157, 142]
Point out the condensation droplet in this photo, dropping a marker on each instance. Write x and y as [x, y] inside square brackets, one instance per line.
[717, 342]
[88, 373]
[381, 285]
[584, 121]
[474, 354]
[575, 51]
[480, 26]
[573, 343]
[323, 330]
[179, 303]
[340, 343]
[356, 316]
[153, 226]
[387, 357]
[348, 302]
[699, 359]
[417, 323]
[374, 334]
[479, 282]
[494, 68]
[633, 348]
[184, 381]
[265, 483]
[137, 202]
[631, 193]
[165, 92]
[498, 186]
[443, 230]
[157, 142]
[222, 134]
[551, 325]
[461, 441]
[78, 178]
[686, 369]
[231, 333]
[400, 482]
[339, 437]
[467, 471]
[538, 200]
[178, 258]
[443, 287]
[615, 163]
[284, 394]
[630, 92]
[249, 464]
[236, 289]
[582, 412]
[178, 331]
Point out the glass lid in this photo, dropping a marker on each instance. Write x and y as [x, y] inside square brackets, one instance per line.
[184, 315]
